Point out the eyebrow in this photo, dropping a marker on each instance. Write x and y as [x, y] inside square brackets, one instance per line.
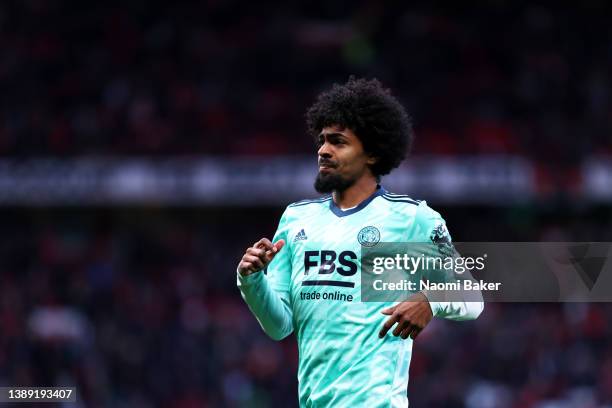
[333, 134]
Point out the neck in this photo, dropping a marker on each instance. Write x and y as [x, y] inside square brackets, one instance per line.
[355, 194]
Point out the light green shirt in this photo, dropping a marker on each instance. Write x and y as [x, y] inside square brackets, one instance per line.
[342, 361]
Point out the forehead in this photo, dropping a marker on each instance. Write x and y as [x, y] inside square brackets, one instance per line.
[337, 130]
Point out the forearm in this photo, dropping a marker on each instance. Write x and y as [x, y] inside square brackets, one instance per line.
[270, 308]
[458, 304]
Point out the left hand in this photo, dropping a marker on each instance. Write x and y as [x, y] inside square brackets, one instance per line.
[411, 317]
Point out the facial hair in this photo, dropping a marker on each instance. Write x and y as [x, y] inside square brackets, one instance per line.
[326, 183]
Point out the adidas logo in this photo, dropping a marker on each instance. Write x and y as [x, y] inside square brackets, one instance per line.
[300, 236]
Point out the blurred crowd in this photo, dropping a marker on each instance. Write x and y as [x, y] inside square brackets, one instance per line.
[139, 308]
[234, 77]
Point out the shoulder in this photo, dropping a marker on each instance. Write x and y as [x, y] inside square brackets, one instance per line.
[429, 222]
[400, 204]
[432, 224]
[301, 209]
[399, 198]
[418, 207]
[302, 203]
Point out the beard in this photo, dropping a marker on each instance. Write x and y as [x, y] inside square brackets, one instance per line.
[326, 183]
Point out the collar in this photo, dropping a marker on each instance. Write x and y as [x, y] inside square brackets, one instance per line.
[343, 213]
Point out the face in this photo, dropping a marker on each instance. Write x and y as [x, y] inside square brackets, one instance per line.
[342, 160]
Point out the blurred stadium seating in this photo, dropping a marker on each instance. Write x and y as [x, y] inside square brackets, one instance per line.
[126, 132]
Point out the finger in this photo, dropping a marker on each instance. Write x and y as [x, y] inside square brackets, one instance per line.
[265, 244]
[388, 310]
[275, 249]
[258, 252]
[254, 260]
[265, 256]
[250, 266]
[401, 326]
[387, 325]
[407, 331]
[415, 333]
[269, 256]
[245, 266]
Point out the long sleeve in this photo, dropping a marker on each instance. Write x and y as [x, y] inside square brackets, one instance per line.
[270, 308]
[267, 292]
[467, 310]
[435, 232]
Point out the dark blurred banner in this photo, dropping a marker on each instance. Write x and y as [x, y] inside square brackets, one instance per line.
[498, 180]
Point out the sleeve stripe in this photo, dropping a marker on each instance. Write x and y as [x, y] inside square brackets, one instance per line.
[313, 201]
[400, 199]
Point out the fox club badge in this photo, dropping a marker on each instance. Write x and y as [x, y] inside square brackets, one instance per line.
[368, 236]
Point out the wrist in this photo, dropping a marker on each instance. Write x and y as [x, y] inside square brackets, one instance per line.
[249, 276]
[246, 272]
[431, 304]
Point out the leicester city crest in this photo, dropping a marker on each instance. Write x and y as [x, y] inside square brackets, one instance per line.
[368, 236]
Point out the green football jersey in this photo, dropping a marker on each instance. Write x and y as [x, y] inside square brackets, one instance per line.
[312, 288]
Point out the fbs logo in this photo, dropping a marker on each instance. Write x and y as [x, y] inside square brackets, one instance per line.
[325, 262]
[300, 236]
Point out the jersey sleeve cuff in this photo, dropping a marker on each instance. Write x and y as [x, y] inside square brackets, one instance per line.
[248, 280]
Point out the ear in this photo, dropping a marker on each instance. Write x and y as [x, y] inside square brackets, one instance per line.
[371, 160]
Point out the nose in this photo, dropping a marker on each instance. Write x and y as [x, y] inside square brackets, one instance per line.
[324, 151]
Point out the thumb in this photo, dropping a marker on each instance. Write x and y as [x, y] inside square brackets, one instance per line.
[276, 247]
[279, 244]
[388, 310]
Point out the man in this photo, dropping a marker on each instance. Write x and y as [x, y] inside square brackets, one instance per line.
[352, 353]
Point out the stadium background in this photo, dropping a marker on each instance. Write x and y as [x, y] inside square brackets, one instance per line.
[145, 144]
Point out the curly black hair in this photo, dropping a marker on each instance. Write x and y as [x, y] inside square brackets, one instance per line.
[372, 113]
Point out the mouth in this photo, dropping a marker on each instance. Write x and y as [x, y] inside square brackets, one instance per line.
[325, 165]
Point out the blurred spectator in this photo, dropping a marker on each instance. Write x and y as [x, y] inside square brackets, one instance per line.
[139, 308]
[231, 77]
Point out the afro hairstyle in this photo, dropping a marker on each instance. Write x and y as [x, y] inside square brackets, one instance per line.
[372, 113]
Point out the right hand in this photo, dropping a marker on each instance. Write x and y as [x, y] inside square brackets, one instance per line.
[259, 256]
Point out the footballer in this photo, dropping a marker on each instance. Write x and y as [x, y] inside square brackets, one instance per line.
[306, 279]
